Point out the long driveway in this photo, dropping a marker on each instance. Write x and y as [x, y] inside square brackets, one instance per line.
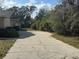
[40, 45]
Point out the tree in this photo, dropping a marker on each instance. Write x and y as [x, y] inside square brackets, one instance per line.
[23, 13]
[41, 14]
[70, 16]
[42, 21]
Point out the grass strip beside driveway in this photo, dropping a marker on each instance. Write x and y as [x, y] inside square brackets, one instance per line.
[5, 45]
[74, 41]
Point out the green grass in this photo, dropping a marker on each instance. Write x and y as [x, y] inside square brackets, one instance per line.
[5, 45]
[74, 41]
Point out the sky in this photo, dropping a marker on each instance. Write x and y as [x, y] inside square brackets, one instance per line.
[49, 4]
[39, 3]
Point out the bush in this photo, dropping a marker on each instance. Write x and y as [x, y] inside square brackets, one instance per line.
[17, 28]
[42, 25]
[59, 27]
[8, 33]
[75, 27]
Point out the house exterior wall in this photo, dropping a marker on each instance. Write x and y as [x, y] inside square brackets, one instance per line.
[15, 22]
[1, 22]
[7, 23]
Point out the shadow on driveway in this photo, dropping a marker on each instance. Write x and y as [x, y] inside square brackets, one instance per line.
[22, 35]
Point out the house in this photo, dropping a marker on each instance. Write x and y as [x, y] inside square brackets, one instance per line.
[6, 21]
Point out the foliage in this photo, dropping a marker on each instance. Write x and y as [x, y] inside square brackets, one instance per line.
[68, 20]
[42, 21]
[23, 14]
[8, 33]
[62, 20]
[72, 20]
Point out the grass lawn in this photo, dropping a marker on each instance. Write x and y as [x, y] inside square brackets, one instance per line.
[5, 45]
[74, 41]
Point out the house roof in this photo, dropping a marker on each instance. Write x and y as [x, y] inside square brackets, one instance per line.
[4, 13]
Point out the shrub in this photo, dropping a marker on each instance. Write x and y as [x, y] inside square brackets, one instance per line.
[8, 33]
[42, 25]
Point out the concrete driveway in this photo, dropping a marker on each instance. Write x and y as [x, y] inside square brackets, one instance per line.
[40, 45]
